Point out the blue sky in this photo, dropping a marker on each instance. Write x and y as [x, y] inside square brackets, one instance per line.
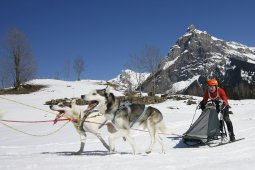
[106, 32]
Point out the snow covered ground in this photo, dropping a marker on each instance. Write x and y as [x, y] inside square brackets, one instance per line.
[55, 152]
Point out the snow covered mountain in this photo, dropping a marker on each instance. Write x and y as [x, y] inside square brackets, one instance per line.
[129, 79]
[197, 56]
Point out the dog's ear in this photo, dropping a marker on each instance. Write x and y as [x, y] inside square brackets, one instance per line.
[111, 98]
[101, 92]
[107, 89]
[53, 102]
[110, 102]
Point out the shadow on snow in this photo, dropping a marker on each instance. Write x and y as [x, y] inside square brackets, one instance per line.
[88, 153]
[181, 144]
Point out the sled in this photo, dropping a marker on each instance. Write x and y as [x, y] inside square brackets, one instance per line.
[208, 129]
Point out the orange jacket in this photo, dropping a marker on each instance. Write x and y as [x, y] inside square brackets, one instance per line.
[219, 94]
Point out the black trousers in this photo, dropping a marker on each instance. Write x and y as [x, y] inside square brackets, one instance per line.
[228, 122]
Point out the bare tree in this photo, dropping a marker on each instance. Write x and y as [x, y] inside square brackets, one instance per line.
[19, 62]
[135, 64]
[79, 66]
[4, 78]
[151, 57]
[147, 61]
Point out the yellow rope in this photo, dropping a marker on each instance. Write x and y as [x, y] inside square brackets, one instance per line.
[51, 113]
[43, 109]
[15, 129]
[28, 105]
[65, 116]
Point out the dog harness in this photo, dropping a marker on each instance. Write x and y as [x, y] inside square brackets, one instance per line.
[85, 116]
[120, 107]
[140, 117]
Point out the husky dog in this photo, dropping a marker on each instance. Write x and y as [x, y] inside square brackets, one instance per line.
[123, 117]
[92, 123]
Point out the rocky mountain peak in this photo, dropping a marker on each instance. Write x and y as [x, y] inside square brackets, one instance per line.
[191, 28]
[197, 56]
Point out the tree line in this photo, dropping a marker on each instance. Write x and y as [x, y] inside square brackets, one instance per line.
[18, 64]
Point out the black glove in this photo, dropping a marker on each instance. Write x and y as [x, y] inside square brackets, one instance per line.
[202, 105]
[217, 104]
[225, 108]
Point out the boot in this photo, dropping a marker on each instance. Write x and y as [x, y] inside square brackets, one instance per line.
[232, 137]
[230, 128]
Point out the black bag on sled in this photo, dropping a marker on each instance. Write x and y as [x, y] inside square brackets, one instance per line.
[204, 129]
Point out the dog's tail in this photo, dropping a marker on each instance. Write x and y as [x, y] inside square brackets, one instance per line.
[166, 130]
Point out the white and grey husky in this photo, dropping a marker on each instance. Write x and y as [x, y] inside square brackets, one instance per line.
[93, 122]
[123, 117]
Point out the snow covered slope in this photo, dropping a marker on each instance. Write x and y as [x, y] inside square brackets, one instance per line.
[54, 152]
[129, 79]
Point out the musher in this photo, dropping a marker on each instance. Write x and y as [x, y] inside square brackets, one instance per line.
[217, 95]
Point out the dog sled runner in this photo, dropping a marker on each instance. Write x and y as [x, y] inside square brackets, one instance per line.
[208, 129]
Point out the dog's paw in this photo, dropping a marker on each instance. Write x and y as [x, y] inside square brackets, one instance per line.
[163, 152]
[112, 152]
[148, 151]
[77, 153]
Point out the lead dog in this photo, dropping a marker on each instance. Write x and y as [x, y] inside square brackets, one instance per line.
[92, 123]
[123, 117]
